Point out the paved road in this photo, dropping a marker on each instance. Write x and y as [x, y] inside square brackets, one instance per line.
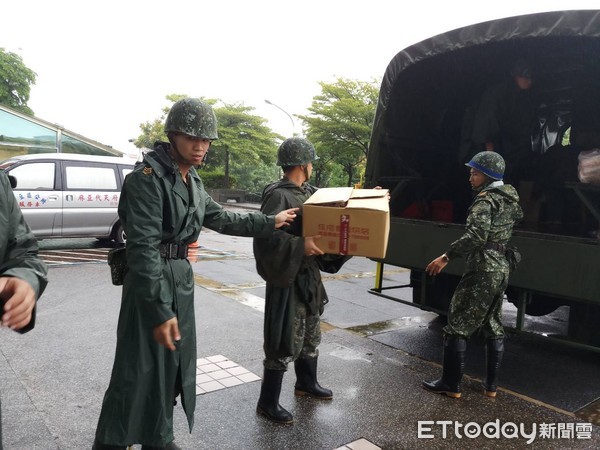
[374, 354]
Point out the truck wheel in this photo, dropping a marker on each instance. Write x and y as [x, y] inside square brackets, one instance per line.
[583, 323]
[119, 235]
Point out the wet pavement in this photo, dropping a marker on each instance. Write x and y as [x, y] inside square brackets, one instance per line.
[374, 354]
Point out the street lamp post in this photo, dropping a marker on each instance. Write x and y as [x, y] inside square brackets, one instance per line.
[268, 102]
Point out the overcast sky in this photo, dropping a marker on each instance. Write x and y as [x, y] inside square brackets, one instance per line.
[105, 67]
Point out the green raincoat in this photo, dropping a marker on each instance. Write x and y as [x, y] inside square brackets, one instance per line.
[291, 276]
[18, 249]
[18, 246]
[156, 207]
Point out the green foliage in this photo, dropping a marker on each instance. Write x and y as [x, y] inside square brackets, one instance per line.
[215, 179]
[151, 132]
[339, 126]
[255, 178]
[244, 141]
[15, 82]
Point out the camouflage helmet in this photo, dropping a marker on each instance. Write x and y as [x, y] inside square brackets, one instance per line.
[488, 163]
[295, 151]
[192, 117]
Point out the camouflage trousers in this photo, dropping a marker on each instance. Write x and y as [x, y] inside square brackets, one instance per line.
[307, 337]
[477, 305]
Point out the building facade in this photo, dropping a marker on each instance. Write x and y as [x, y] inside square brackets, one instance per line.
[21, 134]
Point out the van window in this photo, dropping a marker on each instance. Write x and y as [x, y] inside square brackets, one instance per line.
[34, 176]
[90, 178]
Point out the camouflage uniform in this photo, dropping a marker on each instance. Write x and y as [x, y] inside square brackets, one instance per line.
[477, 301]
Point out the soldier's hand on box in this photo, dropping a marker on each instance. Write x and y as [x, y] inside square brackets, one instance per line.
[167, 333]
[19, 300]
[437, 265]
[386, 195]
[310, 246]
[284, 218]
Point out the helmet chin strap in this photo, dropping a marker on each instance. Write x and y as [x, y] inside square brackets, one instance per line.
[175, 151]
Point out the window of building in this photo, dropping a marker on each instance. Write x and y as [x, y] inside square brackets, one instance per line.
[21, 136]
[72, 145]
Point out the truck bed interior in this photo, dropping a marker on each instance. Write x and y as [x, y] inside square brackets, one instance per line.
[417, 146]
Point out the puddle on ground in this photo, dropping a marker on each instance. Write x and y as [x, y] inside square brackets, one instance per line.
[347, 354]
[370, 329]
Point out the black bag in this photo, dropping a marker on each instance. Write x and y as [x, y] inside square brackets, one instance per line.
[117, 260]
[513, 257]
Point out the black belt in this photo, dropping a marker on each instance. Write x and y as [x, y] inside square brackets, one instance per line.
[495, 246]
[173, 251]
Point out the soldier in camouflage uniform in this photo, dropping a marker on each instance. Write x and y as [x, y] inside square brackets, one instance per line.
[295, 295]
[477, 301]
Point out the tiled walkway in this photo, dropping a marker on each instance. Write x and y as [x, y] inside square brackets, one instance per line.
[218, 372]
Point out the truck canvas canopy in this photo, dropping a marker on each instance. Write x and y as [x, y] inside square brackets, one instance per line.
[429, 89]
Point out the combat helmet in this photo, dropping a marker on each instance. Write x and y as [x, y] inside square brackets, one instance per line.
[522, 68]
[192, 117]
[295, 151]
[488, 163]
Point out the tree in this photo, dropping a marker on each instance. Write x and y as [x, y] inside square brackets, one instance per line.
[15, 82]
[340, 126]
[245, 142]
[243, 156]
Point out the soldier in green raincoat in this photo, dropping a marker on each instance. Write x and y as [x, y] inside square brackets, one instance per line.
[477, 301]
[295, 295]
[163, 207]
[23, 275]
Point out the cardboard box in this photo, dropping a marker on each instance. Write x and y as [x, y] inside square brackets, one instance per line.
[349, 221]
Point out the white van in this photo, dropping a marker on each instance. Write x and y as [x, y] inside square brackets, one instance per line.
[70, 195]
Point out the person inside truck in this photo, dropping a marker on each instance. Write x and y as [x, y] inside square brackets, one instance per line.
[477, 301]
[503, 122]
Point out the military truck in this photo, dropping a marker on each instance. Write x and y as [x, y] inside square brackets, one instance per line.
[417, 150]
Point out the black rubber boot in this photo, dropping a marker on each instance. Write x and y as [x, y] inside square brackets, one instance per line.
[268, 403]
[306, 380]
[100, 446]
[454, 367]
[494, 349]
